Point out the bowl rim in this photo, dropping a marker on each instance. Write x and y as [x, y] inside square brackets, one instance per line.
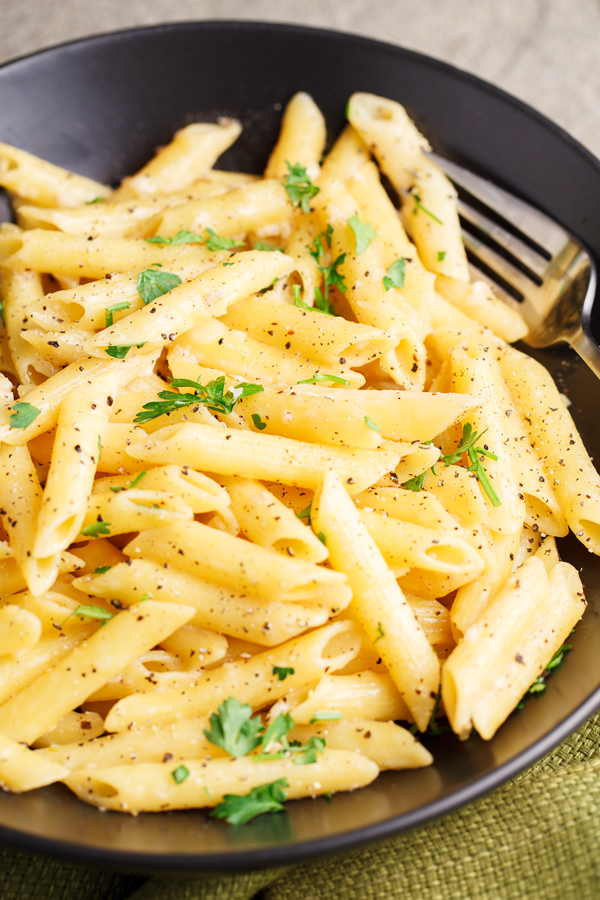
[347, 841]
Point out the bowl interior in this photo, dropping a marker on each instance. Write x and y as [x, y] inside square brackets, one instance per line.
[100, 107]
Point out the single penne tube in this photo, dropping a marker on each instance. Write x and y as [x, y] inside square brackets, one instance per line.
[369, 300]
[43, 183]
[247, 208]
[434, 619]
[377, 602]
[82, 422]
[389, 745]
[550, 428]
[113, 458]
[399, 149]
[198, 491]
[347, 155]
[38, 707]
[184, 740]
[419, 508]
[250, 680]
[19, 629]
[376, 206]
[165, 318]
[567, 605]
[132, 510]
[301, 139]
[405, 544]
[533, 613]
[305, 229]
[242, 615]
[22, 770]
[20, 502]
[478, 301]
[265, 456]
[12, 579]
[87, 306]
[124, 219]
[355, 418]
[213, 344]
[19, 291]
[477, 370]
[213, 555]
[265, 520]
[358, 696]
[74, 726]
[77, 257]
[47, 398]
[151, 787]
[189, 156]
[498, 552]
[147, 673]
[60, 348]
[309, 333]
[194, 645]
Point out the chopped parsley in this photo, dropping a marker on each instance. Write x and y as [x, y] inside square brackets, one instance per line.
[180, 774]
[92, 612]
[299, 187]
[322, 538]
[266, 248]
[419, 205]
[277, 730]
[539, 685]
[475, 454]
[372, 425]
[305, 513]
[433, 728]
[96, 529]
[282, 672]
[234, 729]
[153, 283]
[211, 395]
[308, 754]
[216, 242]
[317, 378]
[258, 422]
[2, 302]
[395, 274]
[326, 715]
[237, 810]
[120, 351]
[23, 415]
[182, 237]
[380, 633]
[101, 570]
[137, 480]
[111, 310]
[363, 232]
[318, 250]
[441, 255]
[95, 200]
[416, 483]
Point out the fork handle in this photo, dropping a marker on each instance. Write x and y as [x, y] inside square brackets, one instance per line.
[588, 350]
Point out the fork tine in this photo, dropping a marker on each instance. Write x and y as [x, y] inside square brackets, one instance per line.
[498, 264]
[504, 239]
[528, 220]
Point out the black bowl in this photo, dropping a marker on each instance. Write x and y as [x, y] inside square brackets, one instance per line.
[100, 107]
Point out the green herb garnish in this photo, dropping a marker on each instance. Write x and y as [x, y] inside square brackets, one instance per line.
[153, 283]
[372, 425]
[363, 232]
[380, 633]
[211, 395]
[180, 774]
[416, 483]
[395, 274]
[96, 529]
[92, 612]
[216, 242]
[419, 205]
[433, 728]
[111, 310]
[101, 570]
[326, 715]
[441, 255]
[2, 302]
[299, 187]
[237, 810]
[258, 422]
[23, 415]
[467, 445]
[234, 729]
[539, 685]
[282, 672]
[95, 200]
[318, 378]
[137, 480]
[182, 237]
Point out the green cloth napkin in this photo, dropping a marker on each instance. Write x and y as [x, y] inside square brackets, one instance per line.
[536, 838]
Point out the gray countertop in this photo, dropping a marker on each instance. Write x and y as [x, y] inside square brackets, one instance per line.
[542, 51]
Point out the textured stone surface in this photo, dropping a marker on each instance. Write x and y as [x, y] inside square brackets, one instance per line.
[543, 51]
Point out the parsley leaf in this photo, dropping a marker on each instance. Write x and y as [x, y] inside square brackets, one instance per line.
[153, 283]
[237, 810]
[322, 538]
[92, 612]
[467, 445]
[120, 351]
[233, 729]
[137, 480]
[395, 274]
[23, 415]
[111, 310]
[419, 205]
[2, 302]
[308, 753]
[433, 728]
[216, 242]
[326, 715]
[282, 672]
[180, 774]
[95, 200]
[415, 484]
[101, 570]
[441, 255]
[305, 514]
[332, 277]
[96, 529]
[372, 425]
[363, 232]
[317, 378]
[380, 633]
[318, 249]
[210, 395]
[277, 730]
[262, 245]
[299, 187]
[182, 237]
[258, 422]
